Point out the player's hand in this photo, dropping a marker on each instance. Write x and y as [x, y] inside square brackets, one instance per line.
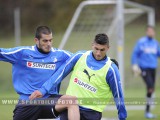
[136, 70]
[35, 94]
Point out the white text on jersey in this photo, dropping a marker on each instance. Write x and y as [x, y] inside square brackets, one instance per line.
[85, 85]
[41, 65]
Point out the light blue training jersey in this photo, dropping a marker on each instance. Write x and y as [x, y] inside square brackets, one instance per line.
[146, 52]
[31, 68]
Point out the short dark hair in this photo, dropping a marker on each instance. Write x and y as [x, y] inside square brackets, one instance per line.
[150, 26]
[101, 39]
[42, 30]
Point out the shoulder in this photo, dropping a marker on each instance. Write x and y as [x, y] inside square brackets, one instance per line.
[142, 39]
[113, 72]
[62, 52]
[24, 48]
[156, 41]
[114, 61]
[21, 48]
[78, 54]
[113, 68]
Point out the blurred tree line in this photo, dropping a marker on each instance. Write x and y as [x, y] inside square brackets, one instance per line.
[55, 13]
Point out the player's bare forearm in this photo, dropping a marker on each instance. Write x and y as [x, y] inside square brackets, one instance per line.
[35, 94]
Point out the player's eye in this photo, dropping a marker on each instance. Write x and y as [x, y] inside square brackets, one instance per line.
[45, 41]
[102, 50]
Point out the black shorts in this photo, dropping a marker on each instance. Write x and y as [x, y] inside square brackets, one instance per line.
[84, 115]
[33, 112]
[149, 76]
[90, 115]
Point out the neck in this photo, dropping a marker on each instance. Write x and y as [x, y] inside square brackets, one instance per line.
[41, 51]
[150, 38]
[101, 59]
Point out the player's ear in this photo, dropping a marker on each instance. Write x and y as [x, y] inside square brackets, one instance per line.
[107, 46]
[93, 45]
[36, 41]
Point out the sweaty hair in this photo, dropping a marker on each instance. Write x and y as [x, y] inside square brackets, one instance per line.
[101, 39]
[42, 30]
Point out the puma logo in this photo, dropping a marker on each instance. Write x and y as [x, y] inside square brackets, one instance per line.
[89, 76]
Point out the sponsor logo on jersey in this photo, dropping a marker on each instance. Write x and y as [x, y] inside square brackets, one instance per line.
[152, 50]
[55, 60]
[41, 65]
[85, 85]
[87, 73]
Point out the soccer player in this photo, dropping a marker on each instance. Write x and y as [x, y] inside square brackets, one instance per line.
[32, 67]
[94, 77]
[144, 62]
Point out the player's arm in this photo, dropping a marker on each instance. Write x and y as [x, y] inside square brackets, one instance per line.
[57, 77]
[158, 51]
[10, 55]
[134, 59]
[113, 80]
[135, 54]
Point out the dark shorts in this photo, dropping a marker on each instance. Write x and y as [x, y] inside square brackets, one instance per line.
[149, 76]
[90, 115]
[40, 111]
[84, 115]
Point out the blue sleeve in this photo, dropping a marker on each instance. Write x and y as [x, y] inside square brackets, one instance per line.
[10, 55]
[113, 80]
[158, 51]
[136, 52]
[60, 74]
